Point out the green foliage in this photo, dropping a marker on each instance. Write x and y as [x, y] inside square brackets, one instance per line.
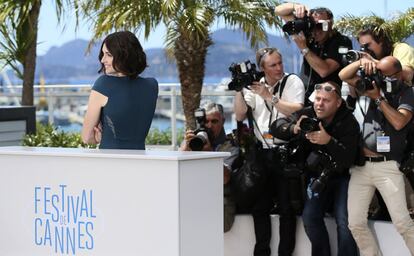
[49, 136]
[398, 28]
[183, 19]
[157, 137]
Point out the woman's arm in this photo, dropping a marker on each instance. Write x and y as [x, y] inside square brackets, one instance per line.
[91, 120]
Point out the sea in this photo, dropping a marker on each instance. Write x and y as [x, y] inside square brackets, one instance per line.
[160, 123]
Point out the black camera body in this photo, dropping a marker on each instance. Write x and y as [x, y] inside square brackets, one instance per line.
[309, 124]
[365, 82]
[242, 75]
[202, 133]
[322, 162]
[293, 27]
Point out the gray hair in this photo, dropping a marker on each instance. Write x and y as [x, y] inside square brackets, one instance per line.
[212, 107]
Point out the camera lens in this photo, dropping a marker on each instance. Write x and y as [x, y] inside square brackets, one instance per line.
[352, 56]
[364, 84]
[309, 124]
[197, 143]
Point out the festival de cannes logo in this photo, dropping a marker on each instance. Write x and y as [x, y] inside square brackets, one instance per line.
[64, 221]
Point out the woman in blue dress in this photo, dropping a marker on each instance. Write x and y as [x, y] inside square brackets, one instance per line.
[122, 103]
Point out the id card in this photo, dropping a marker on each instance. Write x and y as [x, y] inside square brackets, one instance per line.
[268, 138]
[383, 144]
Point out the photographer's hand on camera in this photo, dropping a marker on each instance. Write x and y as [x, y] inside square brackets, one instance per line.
[374, 93]
[296, 127]
[368, 65]
[189, 135]
[300, 10]
[320, 137]
[288, 11]
[300, 41]
[260, 89]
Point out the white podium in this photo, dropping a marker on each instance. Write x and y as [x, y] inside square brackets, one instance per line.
[56, 201]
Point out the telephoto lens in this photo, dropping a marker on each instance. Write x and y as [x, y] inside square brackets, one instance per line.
[197, 143]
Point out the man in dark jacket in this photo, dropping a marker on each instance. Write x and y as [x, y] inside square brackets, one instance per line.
[327, 133]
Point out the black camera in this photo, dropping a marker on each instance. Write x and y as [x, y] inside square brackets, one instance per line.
[322, 162]
[292, 171]
[242, 75]
[293, 27]
[309, 124]
[365, 82]
[305, 24]
[201, 133]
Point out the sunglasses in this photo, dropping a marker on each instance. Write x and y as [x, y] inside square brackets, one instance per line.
[326, 88]
[262, 52]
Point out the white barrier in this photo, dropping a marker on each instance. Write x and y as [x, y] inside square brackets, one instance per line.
[240, 240]
[57, 201]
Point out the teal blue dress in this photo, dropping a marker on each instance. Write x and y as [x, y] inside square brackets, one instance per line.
[127, 116]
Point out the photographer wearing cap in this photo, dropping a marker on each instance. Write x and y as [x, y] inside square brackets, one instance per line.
[216, 141]
[327, 135]
[275, 96]
[321, 46]
[384, 129]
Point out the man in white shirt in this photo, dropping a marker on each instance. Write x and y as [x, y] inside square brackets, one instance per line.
[271, 98]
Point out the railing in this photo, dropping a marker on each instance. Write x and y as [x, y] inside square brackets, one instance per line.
[52, 93]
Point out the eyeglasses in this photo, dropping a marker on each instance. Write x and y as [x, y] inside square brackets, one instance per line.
[326, 88]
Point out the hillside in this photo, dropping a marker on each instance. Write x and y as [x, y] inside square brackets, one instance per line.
[70, 63]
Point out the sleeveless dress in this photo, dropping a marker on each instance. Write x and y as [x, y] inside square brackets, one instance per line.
[127, 116]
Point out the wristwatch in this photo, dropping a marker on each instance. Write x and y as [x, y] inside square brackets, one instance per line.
[274, 100]
[378, 100]
[304, 51]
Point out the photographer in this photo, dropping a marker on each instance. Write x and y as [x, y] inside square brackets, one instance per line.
[385, 129]
[276, 95]
[377, 44]
[217, 141]
[319, 44]
[381, 45]
[329, 128]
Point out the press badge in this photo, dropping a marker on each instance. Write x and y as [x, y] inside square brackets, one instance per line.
[268, 138]
[389, 86]
[383, 144]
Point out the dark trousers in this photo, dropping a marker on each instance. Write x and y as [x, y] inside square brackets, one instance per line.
[287, 216]
[277, 186]
[336, 193]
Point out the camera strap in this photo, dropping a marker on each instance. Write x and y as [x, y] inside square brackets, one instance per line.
[278, 89]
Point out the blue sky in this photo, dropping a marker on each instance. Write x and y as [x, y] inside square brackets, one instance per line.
[52, 34]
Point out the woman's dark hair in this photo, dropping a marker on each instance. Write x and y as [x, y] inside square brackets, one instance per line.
[128, 56]
[380, 36]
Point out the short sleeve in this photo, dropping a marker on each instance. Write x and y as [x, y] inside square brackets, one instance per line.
[407, 100]
[294, 90]
[404, 53]
[101, 85]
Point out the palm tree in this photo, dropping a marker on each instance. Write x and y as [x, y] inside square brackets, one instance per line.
[18, 42]
[399, 28]
[189, 24]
